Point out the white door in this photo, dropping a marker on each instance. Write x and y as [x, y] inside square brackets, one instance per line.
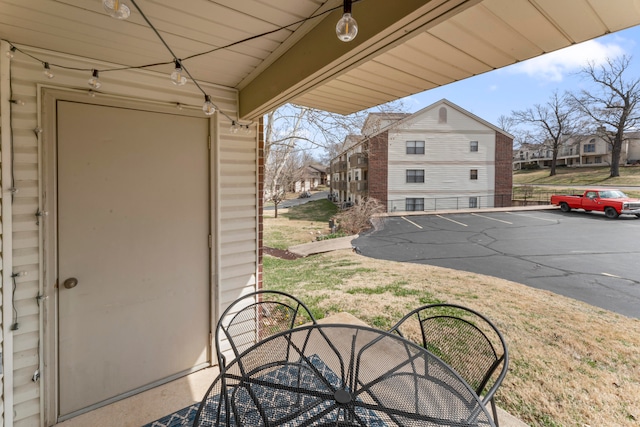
[133, 233]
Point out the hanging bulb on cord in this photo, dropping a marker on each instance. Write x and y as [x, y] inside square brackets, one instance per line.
[347, 27]
[247, 129]
[94, 81]
[177, 78]
[47, 71]
[234, 127]
[208, 106]
[11, 52]
[116, 9]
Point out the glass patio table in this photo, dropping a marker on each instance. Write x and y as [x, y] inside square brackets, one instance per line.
[339, 375]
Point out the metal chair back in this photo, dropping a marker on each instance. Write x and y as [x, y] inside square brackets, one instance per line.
[464, 339]
[256, 316]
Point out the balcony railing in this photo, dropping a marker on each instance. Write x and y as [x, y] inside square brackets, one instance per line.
[339, 185]
[358, 160]
[358, 186]
[339, 166]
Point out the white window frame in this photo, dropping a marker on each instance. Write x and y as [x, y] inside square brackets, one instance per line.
[415, 146]
[415, 175]
[414, 204]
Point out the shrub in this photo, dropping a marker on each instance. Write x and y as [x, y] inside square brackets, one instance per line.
[358, 217]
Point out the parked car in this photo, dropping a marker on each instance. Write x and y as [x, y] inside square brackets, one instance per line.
[611, 202]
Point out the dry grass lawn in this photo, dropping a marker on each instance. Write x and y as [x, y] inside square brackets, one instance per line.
[572, 364]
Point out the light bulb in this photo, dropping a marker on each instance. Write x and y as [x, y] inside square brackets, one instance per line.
[179, 106]
[234, 127]
[94, 81]
[347, 27]
[11, 52]
[19, 102]
[247, 129]
[208, 106]
[116, 9]
[177, 78]
[47, 71]
[91, 93]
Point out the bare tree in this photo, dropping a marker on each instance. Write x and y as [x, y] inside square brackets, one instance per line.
[613, 106]
[509, 125]
[294, 133]
[551, 123]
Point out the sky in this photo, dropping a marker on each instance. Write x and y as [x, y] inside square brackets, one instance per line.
[521, 86]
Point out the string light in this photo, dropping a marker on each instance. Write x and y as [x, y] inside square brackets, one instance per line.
[179, 106]
[19, 102]
[94, 81]
[116, 9]
[92, 93]
[47, 71]
[234, 127]
[347, 27]
[119, 10]
[208, 106]
[177, 78]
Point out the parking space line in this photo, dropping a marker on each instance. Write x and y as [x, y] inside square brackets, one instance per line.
[535, 217]
[494, 219]
[610, 275]
[411, 222]
[449, 219]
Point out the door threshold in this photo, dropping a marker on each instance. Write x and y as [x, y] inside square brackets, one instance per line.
[150, 405]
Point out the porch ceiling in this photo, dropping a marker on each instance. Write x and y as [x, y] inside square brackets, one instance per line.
[403, 47]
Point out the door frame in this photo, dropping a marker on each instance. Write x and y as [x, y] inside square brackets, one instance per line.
[48, 97]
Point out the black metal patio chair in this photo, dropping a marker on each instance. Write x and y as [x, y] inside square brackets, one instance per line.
[256, 316]
[465, 340]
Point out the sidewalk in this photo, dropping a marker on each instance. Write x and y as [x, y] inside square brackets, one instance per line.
[321, 246]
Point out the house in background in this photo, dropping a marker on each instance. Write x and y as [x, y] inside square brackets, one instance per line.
[310, 177]
[130, 219]
[441, 157]
[578, 151]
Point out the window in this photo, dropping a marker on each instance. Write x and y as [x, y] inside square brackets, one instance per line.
[589, 148]
[473, 146]
[415, 147]
[473, 202]
[598, 159]
[414, 204]
[415, 175]
[473, 174]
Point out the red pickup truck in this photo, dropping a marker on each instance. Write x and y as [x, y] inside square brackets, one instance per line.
[611, 202]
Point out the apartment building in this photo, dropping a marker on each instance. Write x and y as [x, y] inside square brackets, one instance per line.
[583, 150]
[441, 157]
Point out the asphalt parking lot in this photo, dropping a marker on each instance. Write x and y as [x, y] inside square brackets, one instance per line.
[580, 255]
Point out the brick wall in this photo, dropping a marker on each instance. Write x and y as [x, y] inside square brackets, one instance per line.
[504, 171]
[378, 167]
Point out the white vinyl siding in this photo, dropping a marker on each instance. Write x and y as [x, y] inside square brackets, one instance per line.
[234, 204]
[447, 161]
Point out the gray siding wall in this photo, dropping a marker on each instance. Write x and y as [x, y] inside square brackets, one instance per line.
[447, 160]
[234, 197]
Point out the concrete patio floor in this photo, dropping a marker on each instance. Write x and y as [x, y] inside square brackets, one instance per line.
[153, 404]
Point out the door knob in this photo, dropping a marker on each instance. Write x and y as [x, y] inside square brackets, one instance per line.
[70, 283]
